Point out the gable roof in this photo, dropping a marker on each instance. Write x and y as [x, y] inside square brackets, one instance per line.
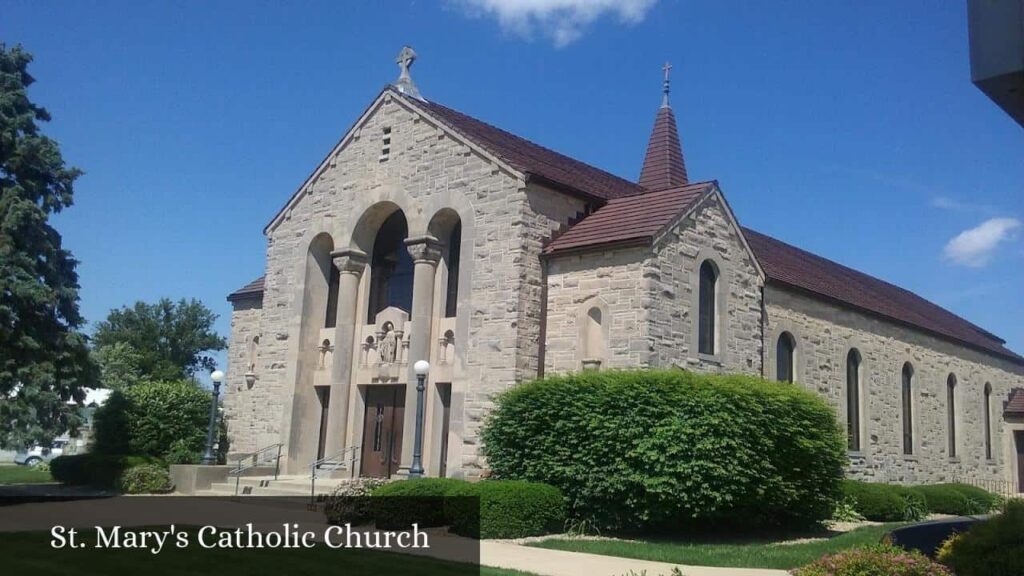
[548, 166]
[663, 164]
[788, 265]
[631, 220]
[1015, 405]
[253, 289]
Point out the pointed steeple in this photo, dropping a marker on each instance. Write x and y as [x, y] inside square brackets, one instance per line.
[663, 165]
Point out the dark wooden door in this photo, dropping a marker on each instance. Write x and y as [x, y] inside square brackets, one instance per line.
[1019, 436]
[382, 430]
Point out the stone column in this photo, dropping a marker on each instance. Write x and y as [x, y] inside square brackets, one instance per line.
[350, 264]
[426, 253]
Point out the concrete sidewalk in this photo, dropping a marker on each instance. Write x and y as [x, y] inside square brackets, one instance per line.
[562, 563]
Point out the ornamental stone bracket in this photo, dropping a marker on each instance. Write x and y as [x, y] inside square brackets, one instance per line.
[350, 261]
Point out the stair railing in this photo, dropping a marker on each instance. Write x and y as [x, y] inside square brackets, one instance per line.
[254, 459]
[345, 458]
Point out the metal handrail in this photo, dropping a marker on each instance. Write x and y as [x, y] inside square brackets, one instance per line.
[330, 464]
[252, 460]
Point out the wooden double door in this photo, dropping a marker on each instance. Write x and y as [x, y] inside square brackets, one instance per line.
[382, 430]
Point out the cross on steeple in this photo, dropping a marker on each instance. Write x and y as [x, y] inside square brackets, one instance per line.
[664, 99]
[404, 83]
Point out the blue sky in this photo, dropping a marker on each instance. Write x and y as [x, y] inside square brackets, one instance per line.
[848, 128]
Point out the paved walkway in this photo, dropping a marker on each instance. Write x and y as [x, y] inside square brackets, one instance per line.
[562, 563]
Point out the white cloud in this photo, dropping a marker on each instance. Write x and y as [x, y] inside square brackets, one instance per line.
[564, 21]
[954, 205]
[974, 247]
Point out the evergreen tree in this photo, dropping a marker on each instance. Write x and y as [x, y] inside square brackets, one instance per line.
[44, 360]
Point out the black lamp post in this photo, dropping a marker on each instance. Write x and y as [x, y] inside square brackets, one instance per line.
[420, 368]
[209, 458]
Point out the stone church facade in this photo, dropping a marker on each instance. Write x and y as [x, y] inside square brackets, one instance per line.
[426, 234]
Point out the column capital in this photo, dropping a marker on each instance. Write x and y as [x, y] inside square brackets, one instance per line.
[424, 249]
[349, 261]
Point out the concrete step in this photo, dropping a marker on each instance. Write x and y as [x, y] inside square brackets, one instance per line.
[268, 486]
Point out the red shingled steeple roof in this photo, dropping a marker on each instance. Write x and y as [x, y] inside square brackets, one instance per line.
[663, 165]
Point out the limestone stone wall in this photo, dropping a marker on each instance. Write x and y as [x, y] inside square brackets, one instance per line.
[671, 278]
[242, 410]
[824, 334]
[428, 168]
[611, 281]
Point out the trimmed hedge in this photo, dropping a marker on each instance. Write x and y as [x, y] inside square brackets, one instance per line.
[947, 499]
[874, 560]
[505, 509]
[885, 502]
[636, 450]
[994, 547]
[100, 470]
[145, 479]
[414, 501]
[987, 500]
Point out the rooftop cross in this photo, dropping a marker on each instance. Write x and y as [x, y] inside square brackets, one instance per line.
[404, 83]
[664, 100]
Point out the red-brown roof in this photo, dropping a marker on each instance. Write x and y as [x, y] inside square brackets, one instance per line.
[250, 290]
[791, 266]
[533, 159]
[663, 164]
[632, 219]
[1015, 405]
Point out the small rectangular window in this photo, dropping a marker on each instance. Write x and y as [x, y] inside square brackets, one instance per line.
[385, 150]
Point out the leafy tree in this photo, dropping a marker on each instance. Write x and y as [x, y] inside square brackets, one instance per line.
[119, 365]
[44, 359]
[172, 339]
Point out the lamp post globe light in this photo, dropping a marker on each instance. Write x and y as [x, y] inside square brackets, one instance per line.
[209, 458]
[420, 368]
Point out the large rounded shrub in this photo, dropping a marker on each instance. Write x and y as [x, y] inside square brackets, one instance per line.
[419, 501]
[947, 499]
[878, 560]
[152, 419]
[100, 470]
[145, 479]
[885, 502]
[645, 449]
[505, 509]
[994, 547]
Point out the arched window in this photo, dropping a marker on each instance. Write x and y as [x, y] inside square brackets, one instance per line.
[853, 400]
[593, 338]
[908, 411]
[707, 315]
[951, 413]
[454, 256]
[785, 350]
[391, 268]
[987, 407]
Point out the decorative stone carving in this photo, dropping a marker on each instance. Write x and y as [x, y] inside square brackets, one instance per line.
[424, 249]
[388, 344]
[350, 261]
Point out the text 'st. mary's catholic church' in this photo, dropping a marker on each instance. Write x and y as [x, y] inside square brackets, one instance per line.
[428, 234]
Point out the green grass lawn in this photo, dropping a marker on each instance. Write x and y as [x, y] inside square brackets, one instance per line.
[30, 553]
[14, 474]
[738, 554]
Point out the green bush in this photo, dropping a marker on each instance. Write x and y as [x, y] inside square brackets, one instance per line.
[885, 502]
[987, 501]
[350, 502]
[181, 453]
[994, 547]
[878, 560]
[505, 509]
[947, 499]
[635, 450]
[416, 501]
[151, 418]
[145, 479]
[99, 470]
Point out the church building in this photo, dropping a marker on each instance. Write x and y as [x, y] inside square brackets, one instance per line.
[427, 234]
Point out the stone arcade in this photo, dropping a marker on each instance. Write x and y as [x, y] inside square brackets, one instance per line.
[428, 234]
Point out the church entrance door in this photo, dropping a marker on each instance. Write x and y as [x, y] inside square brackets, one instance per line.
[382, 430]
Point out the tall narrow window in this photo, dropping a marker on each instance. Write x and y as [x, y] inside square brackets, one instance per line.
[451, 302]
[784, 356]
[853, 400]
[951, 413]
[908, 411]
[707, 314]
[987, 407]
[391, 268]
[332, 298]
